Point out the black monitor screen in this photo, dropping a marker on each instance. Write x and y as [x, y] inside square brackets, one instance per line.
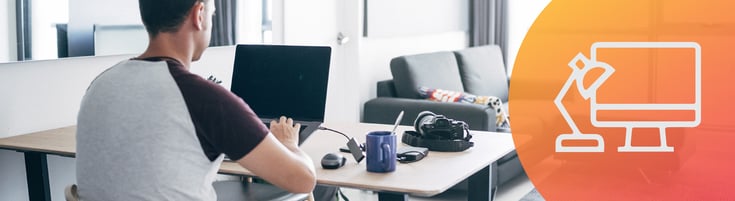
[282, 80]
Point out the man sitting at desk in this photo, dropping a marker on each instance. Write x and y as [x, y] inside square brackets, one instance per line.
[148, 129]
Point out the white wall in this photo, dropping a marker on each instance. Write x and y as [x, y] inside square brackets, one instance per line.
[416, 17]
[83, 14]
[521, 15]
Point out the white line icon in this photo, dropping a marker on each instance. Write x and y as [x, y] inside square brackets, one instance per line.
[590, 93]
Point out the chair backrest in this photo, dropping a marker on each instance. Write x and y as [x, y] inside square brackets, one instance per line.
[240, 189]
[433, 70]
[70, 192]
[483, 71]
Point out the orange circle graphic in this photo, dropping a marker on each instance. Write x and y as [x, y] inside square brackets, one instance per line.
[627, 100]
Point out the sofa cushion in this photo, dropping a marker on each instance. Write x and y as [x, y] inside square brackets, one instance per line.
[440, 95]
[483, 72]
[434, 70]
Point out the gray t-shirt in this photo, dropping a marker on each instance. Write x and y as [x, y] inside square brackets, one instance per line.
[149, 129]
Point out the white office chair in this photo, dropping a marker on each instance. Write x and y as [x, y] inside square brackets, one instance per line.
[238, 190]
[70, 192]
[230, 190]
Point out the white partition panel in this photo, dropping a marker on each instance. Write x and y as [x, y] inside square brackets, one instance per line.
[391, 18]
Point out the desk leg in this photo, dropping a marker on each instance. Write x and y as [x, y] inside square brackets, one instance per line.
[384, 196]
[483, 184]
[37, 176]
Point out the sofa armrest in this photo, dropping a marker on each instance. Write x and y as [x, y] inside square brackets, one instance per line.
[386, 88]
[384, 110]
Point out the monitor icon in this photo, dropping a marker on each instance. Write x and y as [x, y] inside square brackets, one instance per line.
[688, 55]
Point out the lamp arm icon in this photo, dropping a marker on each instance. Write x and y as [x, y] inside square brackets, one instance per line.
[577, 76]
[562, 109]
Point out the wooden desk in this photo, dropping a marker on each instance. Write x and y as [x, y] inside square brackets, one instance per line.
[433, 175]
[35, 147]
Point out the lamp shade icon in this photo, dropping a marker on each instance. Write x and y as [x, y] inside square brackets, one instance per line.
[590, 93]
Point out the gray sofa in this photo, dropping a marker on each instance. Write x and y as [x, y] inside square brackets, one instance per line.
[478, 70]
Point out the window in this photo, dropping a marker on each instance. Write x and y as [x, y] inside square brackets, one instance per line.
[35, 27]
[267, 31]
[254, 21]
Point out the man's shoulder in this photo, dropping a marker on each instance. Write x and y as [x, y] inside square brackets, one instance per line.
[198, 90]
[195, 82]
[131, 73]
[128, 68]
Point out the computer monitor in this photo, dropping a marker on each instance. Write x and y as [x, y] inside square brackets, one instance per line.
[655, 85]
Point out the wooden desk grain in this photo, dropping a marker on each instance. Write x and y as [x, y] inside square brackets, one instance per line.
[60, 141]
[434, 174]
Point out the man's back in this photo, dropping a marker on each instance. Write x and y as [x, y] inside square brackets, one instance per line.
[136, 139]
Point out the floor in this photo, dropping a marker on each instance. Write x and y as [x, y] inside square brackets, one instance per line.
[514, 190]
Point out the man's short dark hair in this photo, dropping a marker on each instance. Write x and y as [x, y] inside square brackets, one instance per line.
[164, 15]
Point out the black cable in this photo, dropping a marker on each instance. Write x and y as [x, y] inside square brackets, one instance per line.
[342, 194]
[339, 190]
[329, 129]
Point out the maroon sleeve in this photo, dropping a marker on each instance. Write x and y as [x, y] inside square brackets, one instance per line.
[224, 123]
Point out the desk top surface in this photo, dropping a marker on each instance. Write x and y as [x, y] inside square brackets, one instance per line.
[60, 141]
[434, 174]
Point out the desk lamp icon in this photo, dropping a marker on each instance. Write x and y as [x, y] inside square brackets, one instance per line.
[578, 75]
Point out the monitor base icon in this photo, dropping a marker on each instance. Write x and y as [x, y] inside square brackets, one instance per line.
[580, 137]
[628, 148]
[645, 149]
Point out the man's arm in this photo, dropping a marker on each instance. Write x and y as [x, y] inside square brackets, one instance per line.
[278, 159]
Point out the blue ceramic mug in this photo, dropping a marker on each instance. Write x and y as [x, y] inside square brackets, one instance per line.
[381, 151]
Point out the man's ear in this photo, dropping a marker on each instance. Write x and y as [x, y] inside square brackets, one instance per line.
[197, 15]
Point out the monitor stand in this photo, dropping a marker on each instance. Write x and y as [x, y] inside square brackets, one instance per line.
[628, 148]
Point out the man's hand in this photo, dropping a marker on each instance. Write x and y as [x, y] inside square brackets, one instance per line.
[279, 160]
[285, 131]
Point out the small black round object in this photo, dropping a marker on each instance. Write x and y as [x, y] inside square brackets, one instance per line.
[333, 161]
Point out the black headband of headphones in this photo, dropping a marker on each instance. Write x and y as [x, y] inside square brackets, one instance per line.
[414, 139]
